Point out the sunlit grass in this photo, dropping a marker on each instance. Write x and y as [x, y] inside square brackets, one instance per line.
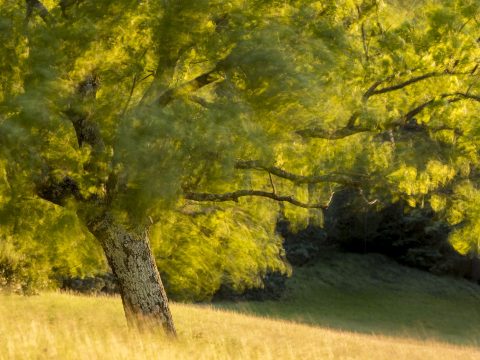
[63, 326]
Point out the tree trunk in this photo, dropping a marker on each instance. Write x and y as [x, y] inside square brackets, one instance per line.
[130, 257]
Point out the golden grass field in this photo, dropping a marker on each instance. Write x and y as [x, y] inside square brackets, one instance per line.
[65, 326]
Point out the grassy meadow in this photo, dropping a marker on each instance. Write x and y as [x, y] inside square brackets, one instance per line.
[364, 307]
[374, 295]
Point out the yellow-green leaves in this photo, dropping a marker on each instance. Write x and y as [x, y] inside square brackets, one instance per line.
[414, 184]
[199, 248]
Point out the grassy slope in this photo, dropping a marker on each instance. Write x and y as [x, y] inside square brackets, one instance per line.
[342, 293]
[372, 294]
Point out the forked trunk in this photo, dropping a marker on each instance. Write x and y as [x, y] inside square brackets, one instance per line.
[130, 257]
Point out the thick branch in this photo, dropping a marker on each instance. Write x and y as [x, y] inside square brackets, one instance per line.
[335, 177]
[416, 110]
[195, 84]
[58, 192]
[234, 196]
[86, 130]
[33, 5]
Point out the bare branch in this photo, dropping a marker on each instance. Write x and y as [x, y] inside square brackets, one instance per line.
[401, 85]
[372, 88]
[407, 121]
[416, 110]
[235, 195]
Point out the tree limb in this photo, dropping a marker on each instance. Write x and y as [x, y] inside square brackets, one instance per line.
[374, 91]
[195, 84]
[335, 177]
[39, 7]
[86, 130]
[57, 192]
[467, 96]
[406, 121]
[337, 134]
[451, 98]
[235, 195]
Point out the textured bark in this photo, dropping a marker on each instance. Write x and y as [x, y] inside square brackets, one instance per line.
[130, 257]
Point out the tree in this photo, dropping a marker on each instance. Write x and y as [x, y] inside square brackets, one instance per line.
[211, 102]
[119, 126]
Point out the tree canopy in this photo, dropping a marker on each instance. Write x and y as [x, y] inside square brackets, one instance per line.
[178, 113]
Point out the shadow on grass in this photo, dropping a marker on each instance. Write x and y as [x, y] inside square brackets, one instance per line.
[372, 294]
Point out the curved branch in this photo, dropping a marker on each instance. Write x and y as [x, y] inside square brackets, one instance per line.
[468, 96]
[372, 91]
[451, 98]
[334, 177]
[235, 195]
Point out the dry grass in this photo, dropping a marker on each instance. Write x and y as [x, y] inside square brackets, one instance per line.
[62, 326]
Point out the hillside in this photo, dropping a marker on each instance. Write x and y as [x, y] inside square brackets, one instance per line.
[346, 306]
[62, 326]
[373, 294]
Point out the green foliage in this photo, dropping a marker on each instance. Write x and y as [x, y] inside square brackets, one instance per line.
[137, 103]
[213, 246]
[39, 250]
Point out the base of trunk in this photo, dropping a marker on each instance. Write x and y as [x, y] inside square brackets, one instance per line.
[130, 257]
